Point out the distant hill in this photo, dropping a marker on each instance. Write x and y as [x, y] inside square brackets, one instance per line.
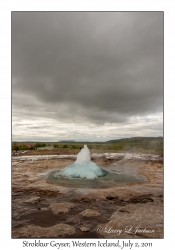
[67, 141]
[136, 139]
[138, 143]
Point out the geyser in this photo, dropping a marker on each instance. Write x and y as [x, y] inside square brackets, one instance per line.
[83, 167]
[83, 171]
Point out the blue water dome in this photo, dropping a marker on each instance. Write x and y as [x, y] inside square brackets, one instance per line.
[83, 167]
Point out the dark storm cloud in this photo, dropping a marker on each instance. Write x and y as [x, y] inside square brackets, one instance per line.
[101, 66]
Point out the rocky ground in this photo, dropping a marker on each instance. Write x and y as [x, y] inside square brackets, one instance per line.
[41, 209]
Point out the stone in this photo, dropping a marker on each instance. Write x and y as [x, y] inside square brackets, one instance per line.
[76, 219]
[33, 200]
[111, 197]
[142, 199]
[34, 231]
[84, 229]
[135, 221]
[61, 208]
[90, 213]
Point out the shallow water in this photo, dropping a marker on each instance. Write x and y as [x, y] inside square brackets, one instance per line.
[113, 176]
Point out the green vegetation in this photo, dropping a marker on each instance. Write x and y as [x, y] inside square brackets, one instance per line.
[134, 144]
[26, 146]
[39, 145]
[19, 146]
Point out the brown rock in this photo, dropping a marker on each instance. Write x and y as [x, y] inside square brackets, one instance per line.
[84, 229]
[48, 232]
[76, 219]
[90, 213]
[135, 221]
[61, 208]
[33, 200]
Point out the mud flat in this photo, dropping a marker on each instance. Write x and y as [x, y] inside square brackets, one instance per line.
[42, 208]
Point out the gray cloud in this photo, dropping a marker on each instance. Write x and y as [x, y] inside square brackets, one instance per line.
[93, 67]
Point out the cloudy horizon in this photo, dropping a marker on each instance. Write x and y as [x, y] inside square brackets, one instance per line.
[86, 76]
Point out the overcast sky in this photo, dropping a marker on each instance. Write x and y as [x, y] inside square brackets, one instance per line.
[90, 76]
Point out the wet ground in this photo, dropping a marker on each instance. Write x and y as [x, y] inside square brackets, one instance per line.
[137, 203]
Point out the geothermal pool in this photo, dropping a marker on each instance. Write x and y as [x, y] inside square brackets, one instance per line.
[85, 173]
[114, 177]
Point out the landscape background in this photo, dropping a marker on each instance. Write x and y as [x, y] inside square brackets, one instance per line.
[135, 144]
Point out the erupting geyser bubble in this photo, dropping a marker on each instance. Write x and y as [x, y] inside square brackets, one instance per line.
[83, 167]
[83, 171]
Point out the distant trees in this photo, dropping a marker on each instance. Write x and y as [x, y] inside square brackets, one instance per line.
[27, 146]
[40, 145]
[19, 147]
